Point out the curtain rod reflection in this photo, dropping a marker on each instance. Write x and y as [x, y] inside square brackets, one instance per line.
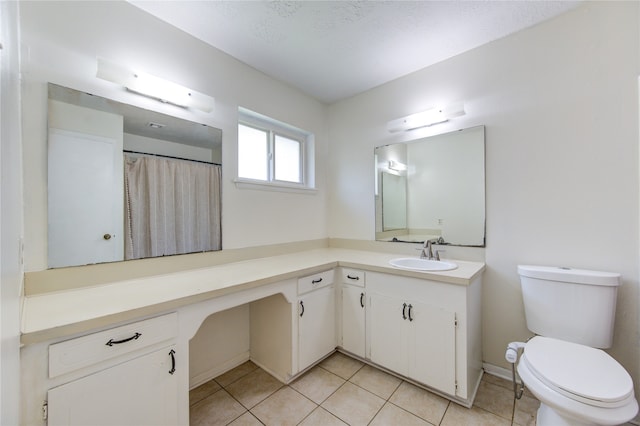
[169, 156]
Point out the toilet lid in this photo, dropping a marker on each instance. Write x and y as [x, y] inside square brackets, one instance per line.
[579, 372]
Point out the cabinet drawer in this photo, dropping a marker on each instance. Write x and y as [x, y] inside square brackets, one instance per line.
[315, 281]
[84, 351]
[353, 277]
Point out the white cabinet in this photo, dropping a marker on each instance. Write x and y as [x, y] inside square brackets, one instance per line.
[316, 318]
[141, 391]
[427, 331]
[125, 376]
[353, 311]
[414, 339]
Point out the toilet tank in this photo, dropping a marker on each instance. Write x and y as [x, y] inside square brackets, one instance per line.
[575, 305]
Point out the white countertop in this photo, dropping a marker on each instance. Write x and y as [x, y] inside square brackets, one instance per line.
[60, 313]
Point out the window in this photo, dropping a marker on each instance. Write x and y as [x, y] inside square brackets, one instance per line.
[272, 154]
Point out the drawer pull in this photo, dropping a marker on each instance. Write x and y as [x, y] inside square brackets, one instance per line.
[361, 300]
[112, 342]
[172, 354]
[353, 278]
[316, 281]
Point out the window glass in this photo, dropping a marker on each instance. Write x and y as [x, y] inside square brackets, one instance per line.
[253, 153]
[287, 159]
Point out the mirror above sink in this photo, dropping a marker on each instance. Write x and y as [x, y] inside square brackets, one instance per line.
[127, 183]
[432, 188]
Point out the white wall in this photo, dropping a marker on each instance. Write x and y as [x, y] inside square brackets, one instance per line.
[10, 215]
[61, 42]
[222, 342]
[560, 105]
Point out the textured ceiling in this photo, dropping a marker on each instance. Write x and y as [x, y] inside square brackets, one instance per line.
[336, 49]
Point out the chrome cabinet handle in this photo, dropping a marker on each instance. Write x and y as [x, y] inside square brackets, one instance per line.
[172, 354]
[112, 342]
[362, 300]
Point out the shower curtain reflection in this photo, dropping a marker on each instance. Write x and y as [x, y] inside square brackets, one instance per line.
[172, 207]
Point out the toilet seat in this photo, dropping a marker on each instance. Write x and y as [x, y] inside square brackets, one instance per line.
[579, 372]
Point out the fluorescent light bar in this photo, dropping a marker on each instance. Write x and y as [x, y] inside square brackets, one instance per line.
[397, 166]
[154, 87]
[426, 118]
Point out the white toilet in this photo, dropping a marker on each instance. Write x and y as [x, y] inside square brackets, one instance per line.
[572, 313]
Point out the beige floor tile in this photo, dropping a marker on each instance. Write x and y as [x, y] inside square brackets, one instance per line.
[526, 411]
[318, 384]
[247, 419]
[376, 381]
[353, 405]
[234, 374]
[508, 384]
[499, 381]
[253, 388]
[420, 402]
[217, 409]
[203, 391]
[394, 415]
[286, 407]
[457, 415]
[341, 365]
[321, 417]
[495, 399]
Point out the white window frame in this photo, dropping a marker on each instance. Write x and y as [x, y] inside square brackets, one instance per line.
[273, 127]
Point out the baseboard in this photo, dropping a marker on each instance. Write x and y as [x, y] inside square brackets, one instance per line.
[278, 376]
[218, 370]
[494, 370]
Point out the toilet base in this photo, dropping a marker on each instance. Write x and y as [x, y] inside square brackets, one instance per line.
[547, 416]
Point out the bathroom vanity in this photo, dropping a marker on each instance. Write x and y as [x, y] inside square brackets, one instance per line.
[126, 344]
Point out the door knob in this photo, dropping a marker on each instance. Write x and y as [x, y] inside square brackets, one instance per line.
[107, 236]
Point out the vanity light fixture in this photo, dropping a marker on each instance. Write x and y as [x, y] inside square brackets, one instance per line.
[397, 166]
[426, 118]
[154, 87]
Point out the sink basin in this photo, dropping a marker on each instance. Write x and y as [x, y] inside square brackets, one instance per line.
[417, 264]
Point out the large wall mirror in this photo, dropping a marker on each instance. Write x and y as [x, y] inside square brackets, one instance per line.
[432, 188]
[128, 183]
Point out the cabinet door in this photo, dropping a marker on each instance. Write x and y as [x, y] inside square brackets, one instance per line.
[137, 392]
[353, 320]
[388, 333]
[432, 355]
[316, 326]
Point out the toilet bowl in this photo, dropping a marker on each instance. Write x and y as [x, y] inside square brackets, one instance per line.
[572, 313]
[576, 384]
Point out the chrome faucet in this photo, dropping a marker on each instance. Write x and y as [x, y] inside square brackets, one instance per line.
[427, 249]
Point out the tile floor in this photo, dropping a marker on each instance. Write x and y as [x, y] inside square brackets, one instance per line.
[344, 391]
